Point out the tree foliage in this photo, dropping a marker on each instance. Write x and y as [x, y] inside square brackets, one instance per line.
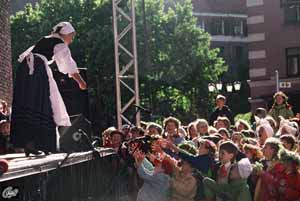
[174, 55]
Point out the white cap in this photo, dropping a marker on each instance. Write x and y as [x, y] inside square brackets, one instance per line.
[67, 28]
[269, 130]
[245, 168]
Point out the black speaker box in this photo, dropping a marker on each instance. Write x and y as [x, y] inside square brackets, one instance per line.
[71, 139]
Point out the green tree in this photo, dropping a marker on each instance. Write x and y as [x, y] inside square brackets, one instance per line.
[174, 71]
[181, 62]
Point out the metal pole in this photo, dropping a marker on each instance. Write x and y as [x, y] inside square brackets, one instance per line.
[136, 80]
[117, 65]
[277, 80]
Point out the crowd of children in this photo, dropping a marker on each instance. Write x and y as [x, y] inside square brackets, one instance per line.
[226, 161]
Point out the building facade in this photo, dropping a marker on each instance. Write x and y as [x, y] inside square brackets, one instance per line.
[226, 23]
[274, 44]
[264, 34]
[17, 5]
[5, 52]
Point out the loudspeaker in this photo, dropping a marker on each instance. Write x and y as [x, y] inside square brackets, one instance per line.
[76, 138]
[76, 100]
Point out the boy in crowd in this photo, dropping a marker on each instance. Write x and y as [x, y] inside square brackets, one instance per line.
[231, 183]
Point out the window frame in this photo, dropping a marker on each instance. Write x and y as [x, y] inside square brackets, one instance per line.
[287, 6]
[289, 56]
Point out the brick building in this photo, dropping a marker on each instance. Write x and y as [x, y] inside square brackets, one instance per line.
[5, 52]
[226, 22]
[274, 44]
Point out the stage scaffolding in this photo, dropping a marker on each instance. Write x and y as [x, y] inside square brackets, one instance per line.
[125, 60]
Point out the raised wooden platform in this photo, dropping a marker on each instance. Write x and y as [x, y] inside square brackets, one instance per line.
[21, 166]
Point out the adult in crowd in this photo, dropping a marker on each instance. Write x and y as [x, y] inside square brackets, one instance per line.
[221, 110]
[38, 107]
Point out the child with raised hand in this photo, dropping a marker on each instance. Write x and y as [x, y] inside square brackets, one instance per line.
[183, 185]
[204, 161]
[156, 181]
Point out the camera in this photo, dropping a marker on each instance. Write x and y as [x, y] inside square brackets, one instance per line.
[142, 143]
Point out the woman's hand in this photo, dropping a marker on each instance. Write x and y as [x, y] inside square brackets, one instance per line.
[82, 85]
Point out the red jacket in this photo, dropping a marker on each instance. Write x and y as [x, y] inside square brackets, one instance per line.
[288, 187]
[268, 190]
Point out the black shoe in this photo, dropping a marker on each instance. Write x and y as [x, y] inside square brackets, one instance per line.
[29, 151]
[47, 152]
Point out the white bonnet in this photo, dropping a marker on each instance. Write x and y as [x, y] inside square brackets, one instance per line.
[66, 28]
[266, 125]
[245, 168]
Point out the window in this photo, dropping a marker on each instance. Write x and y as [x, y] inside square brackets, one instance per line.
[293, 59]
[234, 27]
[238, 52]
[237, 30]
[215, 26]
[222, 51]
[201, 24]
[237, 27]
[291, 11]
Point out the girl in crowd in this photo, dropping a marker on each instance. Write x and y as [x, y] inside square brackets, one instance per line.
[171, 129]
[271, 168]
[264, 131]
[154, 129]
[287, 184]
[183, 185]
[202, 127]
[192, 131]
[242, 125]
[281, 107]
[155, 177]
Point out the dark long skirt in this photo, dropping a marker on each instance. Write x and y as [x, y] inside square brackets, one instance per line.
[32, 117]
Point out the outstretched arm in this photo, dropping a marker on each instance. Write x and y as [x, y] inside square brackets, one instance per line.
[77, 77]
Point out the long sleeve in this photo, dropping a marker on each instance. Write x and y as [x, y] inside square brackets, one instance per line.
[201, 163]
[213, 117]
[145, 170]
[230, 116]
[64, 60]
[290, 113]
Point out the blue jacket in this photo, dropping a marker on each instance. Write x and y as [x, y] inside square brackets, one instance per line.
[204, 163]
[156, 185]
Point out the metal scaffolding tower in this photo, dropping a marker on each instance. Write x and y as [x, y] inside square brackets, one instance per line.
[127, 71]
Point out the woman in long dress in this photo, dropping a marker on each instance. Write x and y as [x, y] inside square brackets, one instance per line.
[38, 107]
